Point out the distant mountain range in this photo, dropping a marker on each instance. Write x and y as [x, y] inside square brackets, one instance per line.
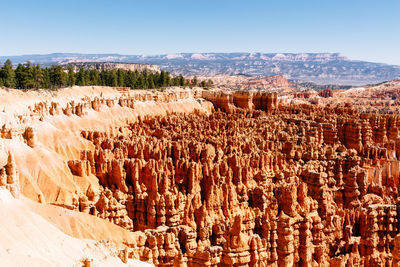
[321, 68]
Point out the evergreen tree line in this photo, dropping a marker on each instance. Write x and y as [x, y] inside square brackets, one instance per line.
[29, 76]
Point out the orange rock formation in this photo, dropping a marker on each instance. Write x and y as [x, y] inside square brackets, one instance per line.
[248, 180]
[276, 83]
[257, 184]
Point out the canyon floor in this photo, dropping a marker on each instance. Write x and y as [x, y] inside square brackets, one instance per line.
[100, 176]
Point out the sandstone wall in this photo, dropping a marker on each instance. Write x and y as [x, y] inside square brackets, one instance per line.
[228, 101]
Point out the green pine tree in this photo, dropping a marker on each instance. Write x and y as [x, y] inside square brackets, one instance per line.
[57, 76]
[37, 76]
[45, 79]
[80, 78]
[24, 76]
[71, 76]
[7, 74]
[182, 81]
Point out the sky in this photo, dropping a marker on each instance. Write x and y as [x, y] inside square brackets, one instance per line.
[359, 29]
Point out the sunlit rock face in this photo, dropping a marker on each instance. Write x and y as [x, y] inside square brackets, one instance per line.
[257, 183]
[216, 178]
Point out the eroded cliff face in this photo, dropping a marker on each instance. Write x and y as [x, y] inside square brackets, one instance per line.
[42, 131]
[255, 182]
[41, 134]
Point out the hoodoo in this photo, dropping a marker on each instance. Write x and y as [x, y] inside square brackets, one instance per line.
[192, 177]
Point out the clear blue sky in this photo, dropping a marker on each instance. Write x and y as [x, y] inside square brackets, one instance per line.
[360, 29]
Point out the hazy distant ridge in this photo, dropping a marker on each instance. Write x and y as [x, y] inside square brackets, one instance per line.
[323, 68]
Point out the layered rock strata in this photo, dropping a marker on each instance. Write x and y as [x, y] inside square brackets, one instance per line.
[279, 186]
[245, 181]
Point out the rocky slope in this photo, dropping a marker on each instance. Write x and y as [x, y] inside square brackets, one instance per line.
[34, 234]
[209, 178]
[40, 134]
[320, 68]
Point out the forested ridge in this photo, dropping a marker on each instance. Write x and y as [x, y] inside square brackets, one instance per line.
[31, 76]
